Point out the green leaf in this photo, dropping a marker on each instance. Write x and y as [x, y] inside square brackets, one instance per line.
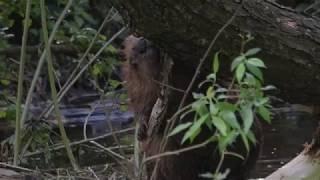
[197, 95]
[195, 134]
[268, 88]
[227, 140]
[180, 128]
[245, 140]
[4, 82]
[255, 71]
[247, 117]
[252, 51]
[114, 83]
[222, 96]
[251, 80]
[195, 128]
[211, 76]
[219, 124]
[207, 175]
[256, 62]
[209, 125]
[261, 101]
[213, 109]
[236, 62]
[221, 90]
[3, 114]
[202, 108]
[96, 70]
[230, 118]
[240, 72]
[227, 106]
[216, 65]
[210, 92]
[251, 137]
[111, 49]
[265, 113]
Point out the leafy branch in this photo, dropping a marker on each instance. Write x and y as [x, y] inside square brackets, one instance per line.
[229, 112]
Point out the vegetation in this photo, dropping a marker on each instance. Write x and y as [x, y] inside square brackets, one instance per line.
[229, 111]
[50, 47]
[76, 47]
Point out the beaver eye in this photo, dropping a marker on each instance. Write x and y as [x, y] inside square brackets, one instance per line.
[121, 46]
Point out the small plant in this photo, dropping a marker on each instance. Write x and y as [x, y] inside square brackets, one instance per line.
[229, 111]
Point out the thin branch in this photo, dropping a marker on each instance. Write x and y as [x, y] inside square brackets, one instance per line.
[169, 86]
[108, 150]
[41, 61]
[74, 80]
[66, 49]
[171, 123]
[87, 119]
[63, 133]
[177, 152]
[16, 167]
[20, 83]
[66, 86]
[58, 147]
[93, 173]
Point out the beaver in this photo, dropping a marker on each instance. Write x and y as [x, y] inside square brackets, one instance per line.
[141, 70]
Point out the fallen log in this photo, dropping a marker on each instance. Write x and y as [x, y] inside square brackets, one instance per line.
[290, 41]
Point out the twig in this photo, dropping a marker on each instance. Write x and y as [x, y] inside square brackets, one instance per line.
[63, 133]
[220, 163]
[74, 77]
[108, 112]
[108, 150]
[94, 174]
[66, 49]
[204, 57]
[41, 61]
[202, 60]
[16, 167]
[177, 152]
[85, 68]
[19, 122]
[171, 123]
[169, 86]
[86, 121]
[80, 142]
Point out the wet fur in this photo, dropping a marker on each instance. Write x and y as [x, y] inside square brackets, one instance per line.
[141, 67]
[140, 72]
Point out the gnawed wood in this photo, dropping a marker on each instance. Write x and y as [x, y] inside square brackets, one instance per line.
[160, 107]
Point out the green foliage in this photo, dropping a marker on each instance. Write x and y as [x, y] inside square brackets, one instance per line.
[8, 113]
[229, 111]
[77, 31]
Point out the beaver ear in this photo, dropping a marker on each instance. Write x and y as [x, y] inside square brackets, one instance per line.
[141, 46]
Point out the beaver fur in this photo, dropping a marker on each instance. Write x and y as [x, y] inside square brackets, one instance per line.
[141, 70]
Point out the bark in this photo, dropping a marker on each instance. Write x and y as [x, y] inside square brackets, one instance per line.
[290, 41]
[301, 167]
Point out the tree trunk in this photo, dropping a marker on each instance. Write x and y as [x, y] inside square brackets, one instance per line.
[290, 41]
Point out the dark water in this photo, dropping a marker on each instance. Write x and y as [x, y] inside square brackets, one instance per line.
[283, 140]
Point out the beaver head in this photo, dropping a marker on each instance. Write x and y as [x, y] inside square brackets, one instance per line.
[141, 70]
